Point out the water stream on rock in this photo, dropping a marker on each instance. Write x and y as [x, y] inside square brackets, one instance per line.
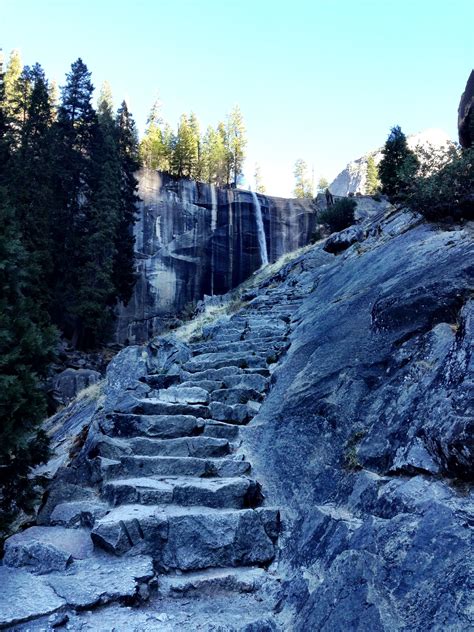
[214, 208]
[262, 244]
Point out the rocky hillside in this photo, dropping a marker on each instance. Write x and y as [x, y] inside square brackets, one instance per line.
[353, 178]
[297, 458]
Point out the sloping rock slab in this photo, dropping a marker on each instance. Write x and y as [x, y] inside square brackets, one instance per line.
[102, 580]
[24, 596]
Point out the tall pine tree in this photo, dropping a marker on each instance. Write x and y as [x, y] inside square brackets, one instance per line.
[124, 265]
[75, 134]
[398, 165]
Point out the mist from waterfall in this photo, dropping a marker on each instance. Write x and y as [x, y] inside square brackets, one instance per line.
[214, 208]
[262, 244]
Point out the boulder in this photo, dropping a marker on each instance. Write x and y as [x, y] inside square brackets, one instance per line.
[71, 381]
[466, 114]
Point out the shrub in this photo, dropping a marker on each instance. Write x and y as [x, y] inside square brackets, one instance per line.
[444, 187]
[340, 215]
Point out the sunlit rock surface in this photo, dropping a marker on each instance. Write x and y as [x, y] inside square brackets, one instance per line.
[194, 240]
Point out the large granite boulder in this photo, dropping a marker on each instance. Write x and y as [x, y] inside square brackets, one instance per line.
[466, 114]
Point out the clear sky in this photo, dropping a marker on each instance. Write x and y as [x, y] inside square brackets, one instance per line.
[322, 80]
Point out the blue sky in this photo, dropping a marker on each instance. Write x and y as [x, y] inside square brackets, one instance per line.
[322, 80]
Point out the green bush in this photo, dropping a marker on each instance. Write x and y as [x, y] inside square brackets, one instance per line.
[340, 215]
[444, 186]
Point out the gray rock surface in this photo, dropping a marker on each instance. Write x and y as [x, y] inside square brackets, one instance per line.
[356, 512]
[24, 596]
[71, 381]
[466, 114]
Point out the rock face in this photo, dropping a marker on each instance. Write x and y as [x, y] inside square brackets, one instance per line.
[303, 462]
[466, 114]
[353, 178]
[193, 240]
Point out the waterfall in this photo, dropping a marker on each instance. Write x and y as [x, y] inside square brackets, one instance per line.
[214, 208]
[262, 244]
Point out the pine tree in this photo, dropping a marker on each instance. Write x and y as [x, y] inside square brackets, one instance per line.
[236, 143]
[32, 186]
[75, 134]
[10, 86]
[196, 169]
[372, 184]
[25, 351]
[185, 154]
[157, 142]
[124, 265]
[303, 186]
[323, 184]
[259, 186]
[398, 165]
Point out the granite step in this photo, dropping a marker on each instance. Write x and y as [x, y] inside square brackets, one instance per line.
[190, 538]
[200, 446]
[133, 466]
[211, 581]
[218, 360]
[231, 493]
[155, 426]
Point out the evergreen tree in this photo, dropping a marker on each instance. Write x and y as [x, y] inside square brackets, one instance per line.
[236, 143]
[398, 165]
[10, 86]
[75, 134]
[372, 184]
[157, 142]
[32, 187]
[95, 293]
[259, 186]
[124, 265]
[196, 148]
[303, 186]
[185, 154]
[25, 351]
[323, 184]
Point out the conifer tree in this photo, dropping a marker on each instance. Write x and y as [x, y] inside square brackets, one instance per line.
[398, 165]
[124, 265]
[75, 133]
[196, 167]
[156, 144]
[303, 185]
[237, 142]
[259, 186]
[372, 184]
[323, 184]
[10, 87]
[185, 154]
[32, 186]
[25, 351]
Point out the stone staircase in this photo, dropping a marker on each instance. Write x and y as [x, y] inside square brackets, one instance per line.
[174, 495]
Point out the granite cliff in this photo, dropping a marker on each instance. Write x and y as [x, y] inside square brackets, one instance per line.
[193, 239]
[297, 458]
